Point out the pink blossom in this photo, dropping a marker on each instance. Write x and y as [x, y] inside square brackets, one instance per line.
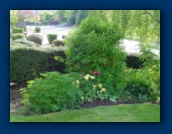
[95, 72]
[80, 75]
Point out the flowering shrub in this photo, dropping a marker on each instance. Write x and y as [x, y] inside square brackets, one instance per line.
[95, 45]
[91, 88]
[54, 92]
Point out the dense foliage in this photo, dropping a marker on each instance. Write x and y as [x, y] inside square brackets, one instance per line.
[58, 94]
[27, 63]
[18, 30]
[66, 91]
[95, 45]
[142, 25]
[51, 37]
[24, 42]
[17, 36]
[144, 84]
[94, 65]
[58, 43]
[37, 38]
[13, 18]
[37, 29]
[46, 17]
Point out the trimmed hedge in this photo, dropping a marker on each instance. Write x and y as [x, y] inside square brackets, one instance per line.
[37, 38]
[51, 37]
[58, 43]
[25, 42]
[37, 29]
[133, 61]
[18, 30]
[17, 36]
[26, 63]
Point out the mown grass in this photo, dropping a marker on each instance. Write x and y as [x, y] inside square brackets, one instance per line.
[146, 112]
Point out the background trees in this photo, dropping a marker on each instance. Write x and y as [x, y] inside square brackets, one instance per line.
[13, 17]
[142, 25]
[46, 17]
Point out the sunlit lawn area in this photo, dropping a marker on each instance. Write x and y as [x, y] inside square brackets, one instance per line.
[146, 112]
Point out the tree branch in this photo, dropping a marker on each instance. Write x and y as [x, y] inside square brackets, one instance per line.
[157, 20]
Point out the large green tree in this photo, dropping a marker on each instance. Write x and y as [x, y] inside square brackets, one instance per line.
[46, 16]
[13, 17]
[142, 25]
[75, 16]
[59, 14]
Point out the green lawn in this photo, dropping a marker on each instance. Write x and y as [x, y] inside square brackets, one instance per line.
[146, 112]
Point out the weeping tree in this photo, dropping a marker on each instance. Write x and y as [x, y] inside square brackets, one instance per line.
[142, 25]
[81, 15]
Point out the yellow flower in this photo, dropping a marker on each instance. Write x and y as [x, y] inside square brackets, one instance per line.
[92, 77]
[86, 77]
[103, 89]
[77, 81]
[100, 85]
[94, 86]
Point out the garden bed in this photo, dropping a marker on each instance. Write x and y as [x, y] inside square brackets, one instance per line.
[15, 102]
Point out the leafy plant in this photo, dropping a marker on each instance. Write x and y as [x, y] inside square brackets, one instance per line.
[50, 93]
[13, 18]
[25, 42]
[37, 38]
[95, 45]
[18, 30]
[51, 37]
[58, 43]
[37, 29]
[17, 36]
[26, 63]
[144, 84]
[91, 88]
